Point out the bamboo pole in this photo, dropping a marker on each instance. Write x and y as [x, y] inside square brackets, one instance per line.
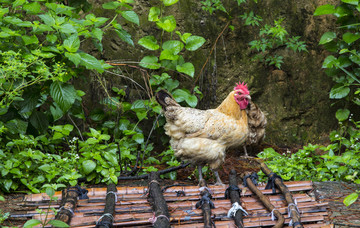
[205, 204]
[161, 216]
[265, 201]
[107, 219]
[292, 207]
[68, 204]
[234, 194]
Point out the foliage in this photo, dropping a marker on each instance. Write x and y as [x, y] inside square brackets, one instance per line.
[270, 38]
[41, 54]
[50, 191]
[343, 67]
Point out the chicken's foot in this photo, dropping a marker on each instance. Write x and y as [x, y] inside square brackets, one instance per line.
[218, 180]
[200, 173]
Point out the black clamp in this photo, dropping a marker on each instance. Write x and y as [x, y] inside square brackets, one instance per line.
[205, 198]
[253, 177]
[82, 192]
[231, 188]
[271, 182]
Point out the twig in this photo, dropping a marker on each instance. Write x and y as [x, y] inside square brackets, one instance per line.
[212, 49]
[75, 126]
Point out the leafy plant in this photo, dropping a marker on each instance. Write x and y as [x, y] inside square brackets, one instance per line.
[343, 67]
[50, 191]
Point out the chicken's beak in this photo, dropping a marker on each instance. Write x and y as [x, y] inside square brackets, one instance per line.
[247, 97]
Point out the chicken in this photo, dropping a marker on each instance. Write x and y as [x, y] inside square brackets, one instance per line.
[256, 125]
[202, 136]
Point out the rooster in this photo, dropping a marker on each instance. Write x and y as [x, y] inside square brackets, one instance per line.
[202, 136]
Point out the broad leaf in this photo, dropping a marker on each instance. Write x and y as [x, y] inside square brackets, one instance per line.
[352, 2]
[73, 57]
[194, 42]
[329, 62]
[350, 37]
[72, 43]
[130, 16]
[154, 14]
[187, 68]
[191, 101]
[63, 94]
[48, 19]
[125, 36]
[342, 114]
[40, 121]
[67, 28]
[168, 54]
[339, 92]
[170, 2]
[88, 166]
[30, 39]
[32, 8]
[167, 23]
[350, 199]
[138, 137]
[111, 5]
[149, 42]
[58, 223]
[111, 158]
[324, 9]
[150, 62]
[174, 45]
[18, 3]
[31, 223]
[327, 37]
[90, 62]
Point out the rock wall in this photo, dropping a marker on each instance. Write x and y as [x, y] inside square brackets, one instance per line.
[295, 98]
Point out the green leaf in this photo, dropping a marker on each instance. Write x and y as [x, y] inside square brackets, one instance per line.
[31, 223]
[48, 19]
[350, 37]
[50, 191]
[149, 42]
[125, 36]
[174, 45]
[32, 8]
[40, 121]
[194, 42]
[63, 94]
[186, 68]
[170, 2]
[16, 126]
[350, 199]
[167, 23]
[97, 33]
[329, 62]
[138, 137]
[73, 57]
[111, 158]
[18, 3]
[130, 16]
[324, 9]
[150, 62]
[342, 11]
[327, 37]
[111, 5]
[154, 14]
[168, 54]
[88, 166]
[72, 43]
[90, 62]
[67, 28]
[3, 11]
[342, 114]
[58, 223]
[352, 2]
[339, 92]
[30, 39]
[191, 101]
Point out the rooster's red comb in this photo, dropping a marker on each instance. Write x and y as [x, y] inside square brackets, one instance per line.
[243, 87]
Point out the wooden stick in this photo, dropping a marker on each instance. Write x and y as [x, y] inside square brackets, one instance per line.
[68, 204]
[107, 218]
[156, 199]
[265, 201]
[234, 195]
[205, 204]
[292, 207]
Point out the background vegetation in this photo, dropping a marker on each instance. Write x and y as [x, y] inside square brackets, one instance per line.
[48, 135]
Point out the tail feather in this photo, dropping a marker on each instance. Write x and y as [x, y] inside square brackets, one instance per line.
[165, 99]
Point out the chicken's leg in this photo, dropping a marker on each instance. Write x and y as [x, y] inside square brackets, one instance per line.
[200, 173]
[246, 154]
[218, 180]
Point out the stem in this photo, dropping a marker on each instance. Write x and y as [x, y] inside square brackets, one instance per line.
[212, 49]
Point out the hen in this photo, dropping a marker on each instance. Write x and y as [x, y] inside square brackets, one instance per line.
[202, 136]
